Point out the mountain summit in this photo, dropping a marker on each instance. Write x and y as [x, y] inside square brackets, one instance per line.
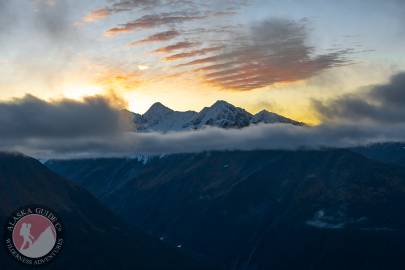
[221, 114]
[157, 109]
[267, 117]
[162, 119]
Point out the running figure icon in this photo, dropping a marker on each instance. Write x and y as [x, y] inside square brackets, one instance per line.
[25, 232]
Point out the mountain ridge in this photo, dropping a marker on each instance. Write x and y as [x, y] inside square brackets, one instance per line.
[267, 209]
[221, 114]
[108, 241]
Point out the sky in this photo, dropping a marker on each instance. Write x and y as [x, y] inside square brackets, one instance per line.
[291, 57]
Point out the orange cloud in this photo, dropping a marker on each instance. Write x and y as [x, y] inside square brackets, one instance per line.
[271, 52]
[97, 15]
[117, 80]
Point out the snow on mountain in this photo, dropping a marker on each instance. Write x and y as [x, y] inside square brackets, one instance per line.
[161, 118]
[221, 114]
[267, 117]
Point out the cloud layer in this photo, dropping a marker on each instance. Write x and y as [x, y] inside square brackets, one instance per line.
[380, 104]
[31, 118]
[260, 137]
[96, 127]
[217, 50]
[272, 51]
[268, 52]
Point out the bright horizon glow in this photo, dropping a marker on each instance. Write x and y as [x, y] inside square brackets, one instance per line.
[80, 92]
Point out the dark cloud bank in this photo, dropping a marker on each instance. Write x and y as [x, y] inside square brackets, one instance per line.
[95, 127]
[383, 104]
[30, 117]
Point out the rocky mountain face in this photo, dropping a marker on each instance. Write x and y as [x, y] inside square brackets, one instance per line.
[330, 209]
[95, 238]
[100, 176]
[221, 114]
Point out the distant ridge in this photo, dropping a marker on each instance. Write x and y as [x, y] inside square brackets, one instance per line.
[221, 114]
[305, 209]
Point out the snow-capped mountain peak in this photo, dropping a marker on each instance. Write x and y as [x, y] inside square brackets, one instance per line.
[162, 119]
[222, 104]
[267, 117]
[157, 109]
[221, 114]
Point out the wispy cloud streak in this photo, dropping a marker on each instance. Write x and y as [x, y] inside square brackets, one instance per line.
[272, 51]
[151, 21]
[162, 36]
[176, 47]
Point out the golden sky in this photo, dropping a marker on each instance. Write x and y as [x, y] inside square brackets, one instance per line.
[275, 55]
